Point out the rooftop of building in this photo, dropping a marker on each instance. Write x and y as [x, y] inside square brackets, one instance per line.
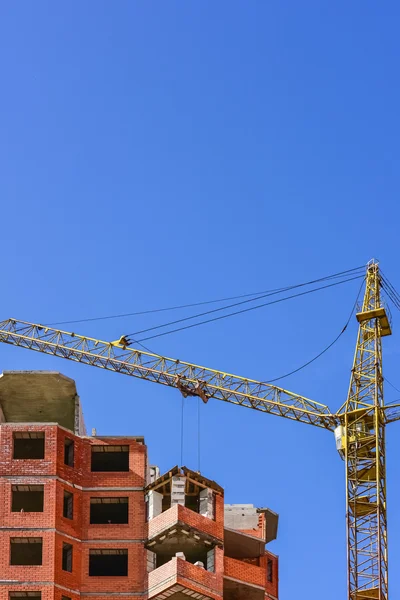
[41, 396]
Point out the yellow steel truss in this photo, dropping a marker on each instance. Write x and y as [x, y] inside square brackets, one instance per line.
[191, 380]
[364, 418]
[359, 425]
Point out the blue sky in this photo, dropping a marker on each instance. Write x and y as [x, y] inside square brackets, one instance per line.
[159, 153]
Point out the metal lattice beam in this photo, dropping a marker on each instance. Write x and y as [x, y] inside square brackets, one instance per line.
[191, 380]
[364, 421]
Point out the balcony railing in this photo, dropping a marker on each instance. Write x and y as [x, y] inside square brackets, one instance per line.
[244, 572]
[179, 572]
[179, 513]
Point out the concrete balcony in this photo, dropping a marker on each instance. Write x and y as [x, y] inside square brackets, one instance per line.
[243, 581]
[181, 580]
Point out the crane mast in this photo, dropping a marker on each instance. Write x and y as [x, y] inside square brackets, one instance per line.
[359, 425]
[363, 418]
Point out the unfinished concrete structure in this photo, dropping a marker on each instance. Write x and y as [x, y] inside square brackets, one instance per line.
[87, 516]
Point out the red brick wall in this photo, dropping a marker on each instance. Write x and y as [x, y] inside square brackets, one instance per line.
[237, 569]
[55, 529]
[48, 591]
[34, 519]
[45, 572]
[9, 466]
[200, 580]
[135, 477]
[137, 575]
[81, 474]
[272, 587]
[65, 578]
[72, 527]
[162, 578]
[184, 573]
[59, 593]
[185, 515]
[74, 474]
[136, 527]
[57, 477]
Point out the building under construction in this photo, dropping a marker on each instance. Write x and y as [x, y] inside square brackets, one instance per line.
[88, 516]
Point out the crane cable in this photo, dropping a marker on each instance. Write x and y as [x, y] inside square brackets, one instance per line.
[392, 385]
[308, 362]
[182, 306]
[259, 297]
[327, 347]
[391, 292]
[244, 310]
[182, 427]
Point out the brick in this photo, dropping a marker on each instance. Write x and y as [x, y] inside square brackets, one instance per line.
[55, 529]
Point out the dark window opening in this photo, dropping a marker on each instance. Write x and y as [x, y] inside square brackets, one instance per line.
[200, 500]
[269, 570]
[110, 458]
[28, 444]
[68, 507]
[13, 595]
[65, 598]
[108, 510]
[27, 498]
[67, 557]
[68, 452]
[26, 551]
[108, 563]
[166, 503]
[192, 502]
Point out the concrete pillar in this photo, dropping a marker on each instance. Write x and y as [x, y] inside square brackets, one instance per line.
[151, 561]
[207, 503]
[154, 473]
[211, 560]
[178, 485]
[154, 504]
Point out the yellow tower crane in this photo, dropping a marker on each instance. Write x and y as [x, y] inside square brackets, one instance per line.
[359, 425]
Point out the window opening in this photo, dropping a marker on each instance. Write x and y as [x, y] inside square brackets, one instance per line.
[26, 551]
[67, 557]
[27, 498]
[13, 595]
[110, 458]
[108, 510]
[192, 502]
[108, 563]
[269, 570]
[68, 452]
[28, 444]
[68, 508]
